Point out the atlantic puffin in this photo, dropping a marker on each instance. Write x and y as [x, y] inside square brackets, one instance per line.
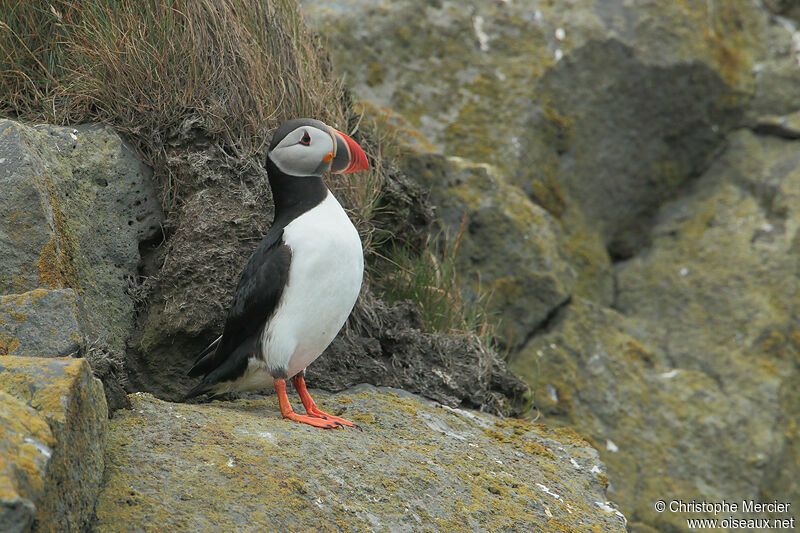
[302, 281]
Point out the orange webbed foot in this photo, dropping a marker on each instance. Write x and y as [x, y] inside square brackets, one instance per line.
[312, 420]
[287, 412]
[314, 411]
[311, 406]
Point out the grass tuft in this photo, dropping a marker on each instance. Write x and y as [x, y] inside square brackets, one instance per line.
[429, 277]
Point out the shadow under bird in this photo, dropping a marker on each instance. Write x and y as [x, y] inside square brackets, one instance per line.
[302, 281]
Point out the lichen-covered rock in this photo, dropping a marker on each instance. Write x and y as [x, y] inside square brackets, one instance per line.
[76, 205]
[26, 444]
[725, 264]
[39, 323]
[693, 376]
[25, 231]
[623, 120]
[672, 432]
[786, 8]
[64, 394]
[617, 102]
[503, 230]
[416, 466]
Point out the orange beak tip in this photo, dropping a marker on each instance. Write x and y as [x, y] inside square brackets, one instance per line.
[359, 158]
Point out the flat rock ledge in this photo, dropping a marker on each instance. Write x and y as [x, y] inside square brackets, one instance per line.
[416, 466]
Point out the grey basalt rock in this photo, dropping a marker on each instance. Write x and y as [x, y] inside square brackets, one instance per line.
[52, 450]
[24, 225]
[416, 466]
[41, 323]
[25, 451]
[692, 378]
[503, 230]
[105, 204]
[664, 81]
[76, 205]
[534, 87]
[662, 137]
[637, 133]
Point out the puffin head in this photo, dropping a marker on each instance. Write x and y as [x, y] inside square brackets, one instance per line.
[308, 147]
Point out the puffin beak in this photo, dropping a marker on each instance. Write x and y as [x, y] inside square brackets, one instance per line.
[347, 154]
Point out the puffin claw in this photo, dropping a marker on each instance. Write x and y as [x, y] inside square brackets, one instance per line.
[311, 406]
[311, 421]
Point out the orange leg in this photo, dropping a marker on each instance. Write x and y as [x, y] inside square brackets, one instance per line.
[311, 407]
[286, 409]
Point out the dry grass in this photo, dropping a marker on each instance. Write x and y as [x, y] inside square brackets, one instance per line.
[163, 71]
[169, 73]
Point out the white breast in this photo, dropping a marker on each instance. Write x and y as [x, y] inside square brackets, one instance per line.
[324, 281]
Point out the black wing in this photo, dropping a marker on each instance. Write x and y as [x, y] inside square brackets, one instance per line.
[257, 294]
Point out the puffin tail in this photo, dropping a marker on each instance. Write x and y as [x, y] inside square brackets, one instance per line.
[199, 367]
[197, 390]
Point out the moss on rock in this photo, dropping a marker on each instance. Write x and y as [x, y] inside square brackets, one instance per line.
[503, 231]
[238, 466]
[25, 452]
[64, 394]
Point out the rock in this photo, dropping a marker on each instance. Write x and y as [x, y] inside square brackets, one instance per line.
[692, 377]
[237, 466]
[503, 230]
[671, 432]
[618, 105]
[786, 8]
[25, 232]
[785, 126]
[70, 400]
[25, 451]
[777, 74]
[662, 138]
[78, 206]
[673, 118]
[390, 350]
[725, 267]
[39, 323]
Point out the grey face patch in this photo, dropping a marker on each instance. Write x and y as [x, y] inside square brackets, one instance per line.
[303, 151]
[322, 168]
[291, 125]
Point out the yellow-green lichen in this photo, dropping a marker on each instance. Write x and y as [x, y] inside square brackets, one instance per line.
[51, 268]
[8, 344]
[231, 459]
[22, 470]
[56, 263]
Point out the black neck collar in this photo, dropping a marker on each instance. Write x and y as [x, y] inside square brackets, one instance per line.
[293, 195]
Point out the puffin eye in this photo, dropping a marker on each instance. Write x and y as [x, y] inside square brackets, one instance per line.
[306, 140]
